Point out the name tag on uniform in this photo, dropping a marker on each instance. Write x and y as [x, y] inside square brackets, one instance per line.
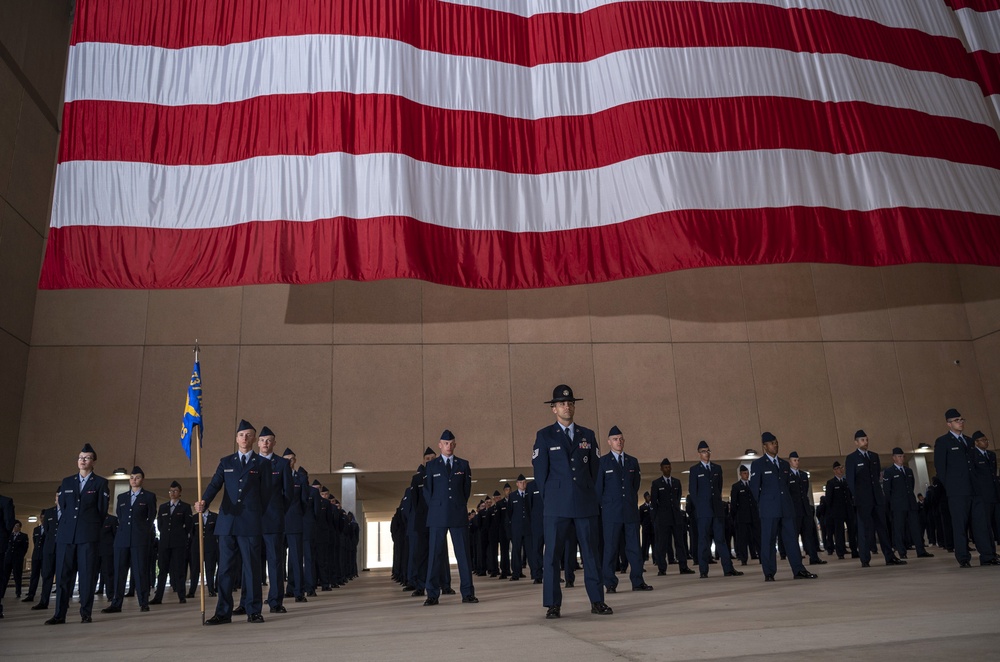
[555, 448]
[768, 472]
[610, 471]
[67, 491]
[436, 475]
[229, 470]
[861, 464]
[956, 448]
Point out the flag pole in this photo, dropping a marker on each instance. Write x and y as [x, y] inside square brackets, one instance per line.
[201, 516]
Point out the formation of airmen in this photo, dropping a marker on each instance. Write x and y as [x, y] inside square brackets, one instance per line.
[579, 502]
[583, 504]
[269, 515]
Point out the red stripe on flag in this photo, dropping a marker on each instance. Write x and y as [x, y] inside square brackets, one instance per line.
[977, 5]
[368, 124]
[394, 247]
[542, 39]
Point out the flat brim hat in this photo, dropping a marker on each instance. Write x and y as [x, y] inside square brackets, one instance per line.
[978, 434]
[766, 437]
[952, 413]
[897, 451]
[562, 393]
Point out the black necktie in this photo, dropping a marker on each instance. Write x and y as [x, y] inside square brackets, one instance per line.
[621, 460]
[447, 464]
[243, 459]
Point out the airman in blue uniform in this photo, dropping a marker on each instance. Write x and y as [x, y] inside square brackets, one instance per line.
[239, 524]
[83, 502]
[136, 513]
[864, 480]
[617, 486]
[565, 460]
[705, 492]
[295, 527]
[898, 482]
[276, 484]
[174, 521]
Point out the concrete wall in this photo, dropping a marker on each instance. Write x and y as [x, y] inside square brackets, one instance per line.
[372, 372]
[34, 37]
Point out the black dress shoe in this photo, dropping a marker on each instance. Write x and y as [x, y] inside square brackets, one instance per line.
[804, 574]
[964, 564]
[417, 593]
[768, 578]
[86, 619]
[553, 612]
[280, 609]
[610, 589]
[471, 599]
[661, 573]
[30, 598]
[447, 591]
[704, 575]
[865, 564]
[743, 562]
[255, 618]
[301, 598]
[642, 587]
[190, 594]
[407, 587]
[430, 602]
[182, 600]
[39, 607]
[818, 562]
[55, 621]
[687, 571]
[569, 584]
[111, 610]
[925, 555]
[239, 611]
[156, 601]
[144, 608]
[600, 609]
[213, 594]
[218, 620]
[537, 581]
[288, 594]
[895, 561]
[993, 561]
[312, 594]
[734, 573]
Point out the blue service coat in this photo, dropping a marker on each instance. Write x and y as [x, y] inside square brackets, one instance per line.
[299, 502]
[566, 471]
[898, 488]
[242, 502]
[135, 521]
[276, 492]
[705, 490]
[618, 489]
[864, 478]
[83, 510]
[954, 464]
[769, 486]
[447, 494]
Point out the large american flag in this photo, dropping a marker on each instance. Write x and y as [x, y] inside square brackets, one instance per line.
[520, 143]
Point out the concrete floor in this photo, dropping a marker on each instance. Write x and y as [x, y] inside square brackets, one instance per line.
[929, 609]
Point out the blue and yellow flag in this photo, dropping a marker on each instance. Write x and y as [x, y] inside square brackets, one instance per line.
[192, 410]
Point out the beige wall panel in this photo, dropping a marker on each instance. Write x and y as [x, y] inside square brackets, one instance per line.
[46, 49]
[288, 314]
[73, 396]
[384, 311]
[932, 383]
[988, 355]
[33, 167]
[20, 262]
[14, 359]
[981, 292]
[638, 393]
[459, 315]
[14, 18]
[793, 397]
[850, 302]
[534, 371]
[377, 407]
[925, 302]
[11, 97]
[288, 389]
[715, 395]
[867, 394]
[706, 305]
[90, 317]
[179, 317]
[632, 310]
[780, 302]
[554, 315]
[166, 372]
[467, 390]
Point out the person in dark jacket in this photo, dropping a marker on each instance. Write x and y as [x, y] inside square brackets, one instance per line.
[136, 513]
